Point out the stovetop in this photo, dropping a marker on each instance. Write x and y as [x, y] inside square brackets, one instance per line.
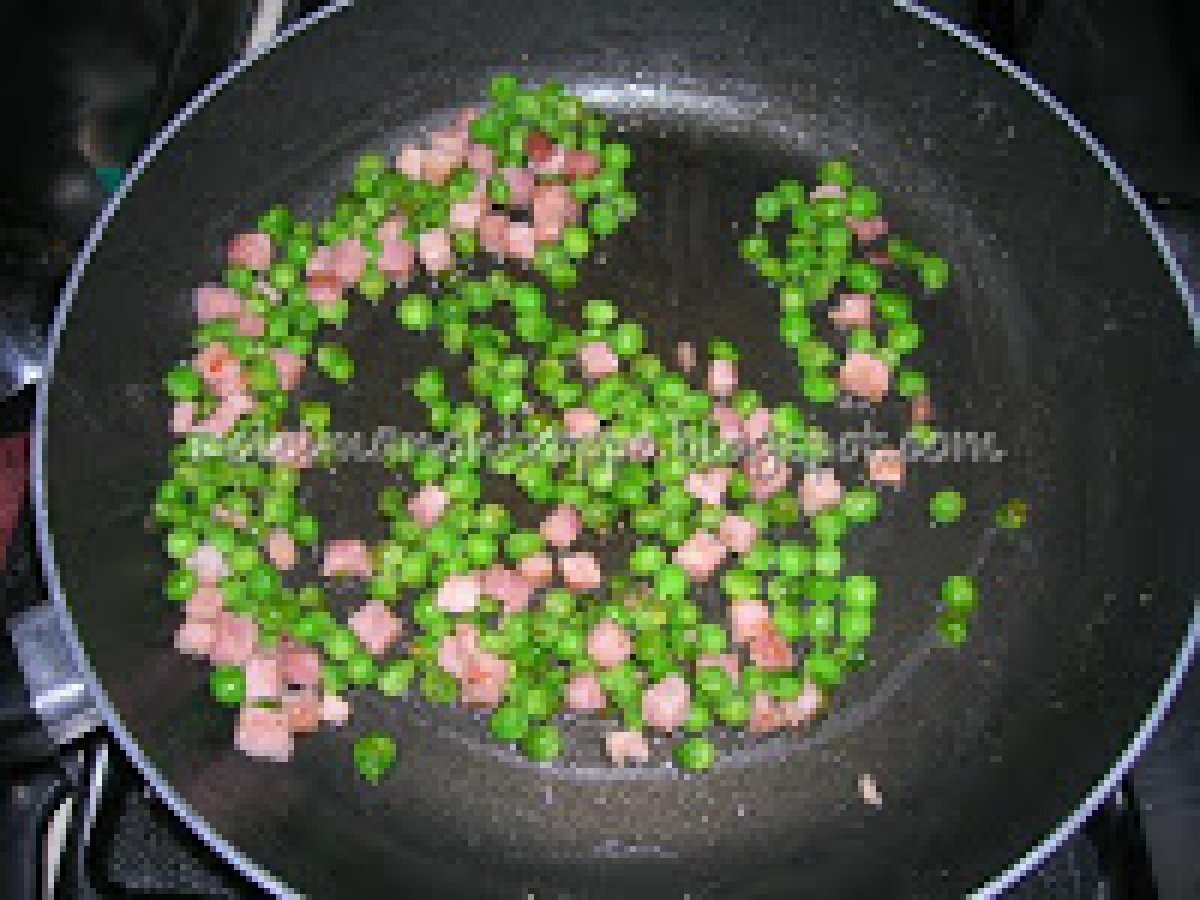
[89, 825]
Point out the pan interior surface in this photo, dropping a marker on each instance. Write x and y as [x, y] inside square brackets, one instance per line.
[1061, 335]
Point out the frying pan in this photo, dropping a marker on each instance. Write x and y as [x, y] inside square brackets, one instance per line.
[1063, 334]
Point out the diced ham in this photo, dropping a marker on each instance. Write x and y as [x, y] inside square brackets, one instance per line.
[396, 259]
[580, 164]
[195, 638]
[456, 649]
[281, 549]
[868, 230]
[428, 505]
[765, 714]
[826, 191]
[757, 425]
[729, 423]
[459, 594]
[597, 360]
[481, 158]
[205, 604]
[447, 152]
[769, 650]
[766, 473]
[553, 204]
[349, 260]
[251, 250]
[852, 311]
[215, 301]
[685, 355]
[303, 711]
[562, 526]
[722, 377]
[263, 678]
[748, 619]
[250, 324]
[391, 229]
[293, 449]
[700, 555]
[626, 746]
[437, 167]
[581, 422]
[227, 515]
[493, 233]
[375, 626]
[886, 466]
[300, 666]
[410, 161]
[226, 416]
[508, 586]
[922, 409]
[334, 709]
[234, 640]
[220, 369]
[485, 678]
[264, 734]
[537, 569]
[727, 661]
[708, 487]
[435, 250]
[641, 448]
[538, 146]
[520, 185]
[609, 644]
[347, 557]
[580, 571]
[584, 694]
[665, 705]
[738, 533]
[209, 564]
[324, 292]
[289, 365]
[464, 215]
[865, 375]
[520, 242]
[183, 417]
[800, 711]
[819, 489]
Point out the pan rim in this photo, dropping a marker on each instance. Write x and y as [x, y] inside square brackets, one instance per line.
[268, 881]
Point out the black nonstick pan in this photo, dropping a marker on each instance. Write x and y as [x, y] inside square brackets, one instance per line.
[1063, 333]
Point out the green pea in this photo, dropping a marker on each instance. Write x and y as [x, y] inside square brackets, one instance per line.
[374, 756]
[542, 743]
[509, 723]
[227, 684]
[960, 593]
[946, 506]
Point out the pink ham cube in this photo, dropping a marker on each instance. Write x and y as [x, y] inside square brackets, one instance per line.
[819, 489]
[435, 250]
[700, 555]
[215, 301]
[665, 705]
[597, 360]
[580, 571]
[584, 694]
[250, 251]
[749, 619]
[281, 549]
[375, 626]
[626, 746]
[428, 504]
[708, 487]
[264, 734]
[561, 527]
[865, 375]
[347, 557]
[609, 644]
[459, 594]
[886, 466]
[263, 678]
[738, 533]
[722, 377]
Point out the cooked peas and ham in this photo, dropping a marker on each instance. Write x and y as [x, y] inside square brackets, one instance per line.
[545, 587]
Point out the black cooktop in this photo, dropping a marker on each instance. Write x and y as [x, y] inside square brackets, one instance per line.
[98, 83]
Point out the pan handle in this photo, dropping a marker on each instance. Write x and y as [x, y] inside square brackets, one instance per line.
[48, 704]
